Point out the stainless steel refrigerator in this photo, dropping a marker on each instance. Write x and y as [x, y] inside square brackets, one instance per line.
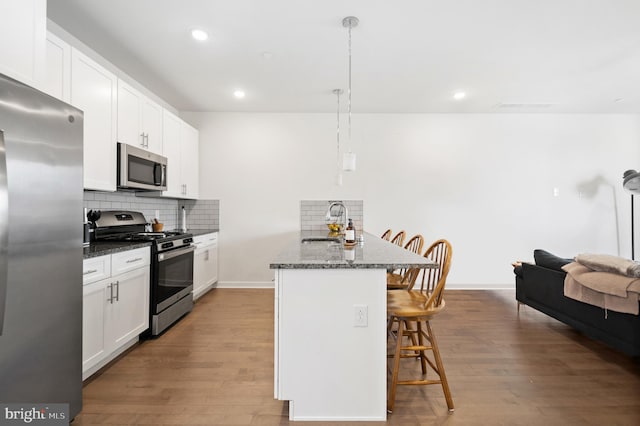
[41, 197]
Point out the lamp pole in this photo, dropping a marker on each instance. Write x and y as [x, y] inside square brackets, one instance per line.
[633, 244]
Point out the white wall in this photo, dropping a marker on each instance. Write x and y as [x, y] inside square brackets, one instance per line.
[485, 182]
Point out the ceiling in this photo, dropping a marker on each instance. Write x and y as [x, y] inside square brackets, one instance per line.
[409, 56]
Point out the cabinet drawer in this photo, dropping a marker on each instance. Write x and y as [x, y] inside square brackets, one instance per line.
[206, 239]
[128, 260]
[96, 269]
[212, 238]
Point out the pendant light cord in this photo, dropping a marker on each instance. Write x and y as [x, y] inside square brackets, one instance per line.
[350, 25]
[337, 92]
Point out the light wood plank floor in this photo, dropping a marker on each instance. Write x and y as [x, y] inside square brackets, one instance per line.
[215, 367]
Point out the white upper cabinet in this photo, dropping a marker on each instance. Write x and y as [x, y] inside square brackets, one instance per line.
[180, 146]
[57, 78]
[23, 27]
[139, 119]
[189, 160]
[152, 125]
[171, 126]
[95, 91]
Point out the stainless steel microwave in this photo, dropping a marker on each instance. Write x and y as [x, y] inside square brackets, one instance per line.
[139, 169]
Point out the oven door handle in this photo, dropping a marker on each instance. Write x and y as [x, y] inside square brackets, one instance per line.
[175, 253]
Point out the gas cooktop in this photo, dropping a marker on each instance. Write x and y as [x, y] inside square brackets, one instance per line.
[147, 236]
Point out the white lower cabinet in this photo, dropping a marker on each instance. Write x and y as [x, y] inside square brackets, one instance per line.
[93, 329]
[128, 314]
[205, 263]
[116, 308]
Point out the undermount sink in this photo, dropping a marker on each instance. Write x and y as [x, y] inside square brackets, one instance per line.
[321, 240]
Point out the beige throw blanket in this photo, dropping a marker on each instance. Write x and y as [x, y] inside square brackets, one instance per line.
[607, 290]
[608, 263]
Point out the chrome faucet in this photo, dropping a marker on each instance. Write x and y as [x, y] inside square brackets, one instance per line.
[346, 213]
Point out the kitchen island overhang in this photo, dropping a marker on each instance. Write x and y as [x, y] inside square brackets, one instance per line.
[330, 327]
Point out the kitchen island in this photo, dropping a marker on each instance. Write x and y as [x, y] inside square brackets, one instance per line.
[330, 326]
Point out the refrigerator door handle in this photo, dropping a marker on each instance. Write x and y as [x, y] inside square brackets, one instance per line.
[4, 228]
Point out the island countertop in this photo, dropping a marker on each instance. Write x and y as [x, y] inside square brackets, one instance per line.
[373, 253]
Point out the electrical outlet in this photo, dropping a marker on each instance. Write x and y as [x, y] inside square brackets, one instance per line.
[360, 316]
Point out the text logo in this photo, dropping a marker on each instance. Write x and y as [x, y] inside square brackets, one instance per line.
[34, 414]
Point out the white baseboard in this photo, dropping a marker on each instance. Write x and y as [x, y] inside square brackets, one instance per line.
[459, 286]
[450, 286]
[245, 284]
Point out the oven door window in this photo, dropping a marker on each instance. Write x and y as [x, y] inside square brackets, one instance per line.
[175, 274]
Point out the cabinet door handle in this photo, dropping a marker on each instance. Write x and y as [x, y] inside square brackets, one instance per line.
[117, 291]
[110, 299]
[90, 271]
[206, 256]
[142, 139]
[146, 140]
[134, 260]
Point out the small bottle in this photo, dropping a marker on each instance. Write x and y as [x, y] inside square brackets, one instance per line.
[350, 233]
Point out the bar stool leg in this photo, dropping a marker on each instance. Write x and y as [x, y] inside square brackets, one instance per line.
[396, 368]
[441, 373]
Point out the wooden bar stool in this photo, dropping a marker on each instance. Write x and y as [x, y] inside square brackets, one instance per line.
[398, 239]
[396, 279]
[412, 311]
[386, 235]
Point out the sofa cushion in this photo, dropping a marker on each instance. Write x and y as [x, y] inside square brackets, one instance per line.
[548, 260]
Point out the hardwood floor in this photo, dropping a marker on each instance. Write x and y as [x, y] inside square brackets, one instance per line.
[215, 367]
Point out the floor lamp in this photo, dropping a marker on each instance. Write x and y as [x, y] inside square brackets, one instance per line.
[631, 183]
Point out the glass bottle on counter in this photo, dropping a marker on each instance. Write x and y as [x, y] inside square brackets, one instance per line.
[350, 233]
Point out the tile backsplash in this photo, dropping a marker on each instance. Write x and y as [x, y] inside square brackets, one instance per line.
[201, 214]
[313, 214]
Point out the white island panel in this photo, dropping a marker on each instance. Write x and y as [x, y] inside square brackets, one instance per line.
[326, 366]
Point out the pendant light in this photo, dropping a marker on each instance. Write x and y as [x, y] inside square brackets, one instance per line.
[338, 92]
[349, 158]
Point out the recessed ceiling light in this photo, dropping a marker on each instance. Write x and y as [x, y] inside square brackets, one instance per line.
[199, 35]
[459, 95]
[267, 55]
[618, 100]
[239, 94]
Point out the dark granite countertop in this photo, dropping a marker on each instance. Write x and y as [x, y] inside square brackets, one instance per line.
[373, 253]
[102, 248]
[197, 232]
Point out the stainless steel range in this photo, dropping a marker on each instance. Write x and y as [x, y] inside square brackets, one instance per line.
[171, 264]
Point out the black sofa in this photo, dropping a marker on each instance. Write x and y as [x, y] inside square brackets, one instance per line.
[541, 286]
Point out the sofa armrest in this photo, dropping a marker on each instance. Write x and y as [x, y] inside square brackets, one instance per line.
[539, 284]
